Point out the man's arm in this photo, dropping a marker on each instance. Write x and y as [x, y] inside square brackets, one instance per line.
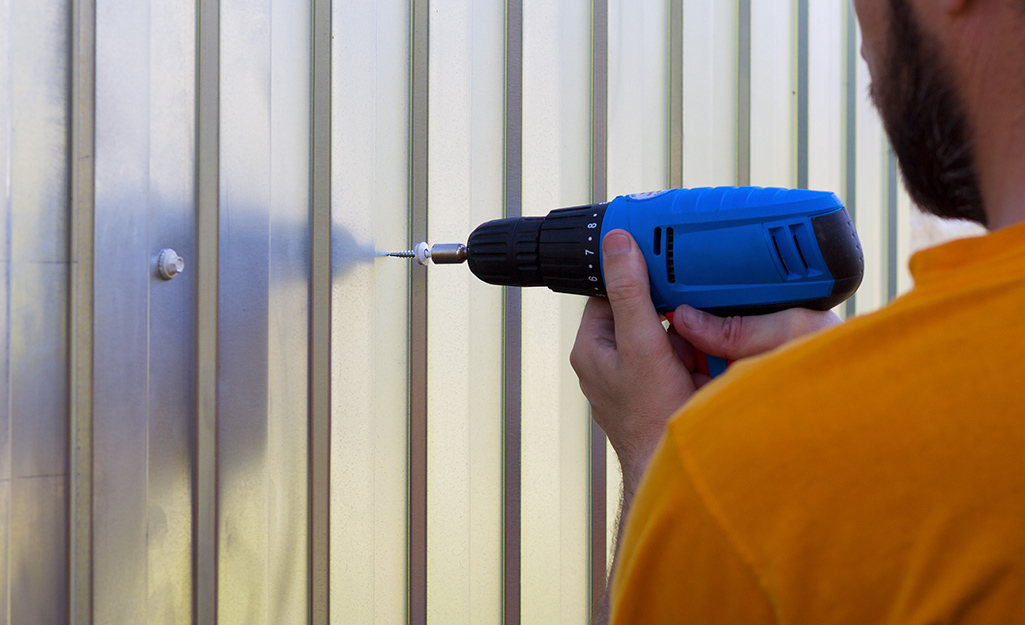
[636, 375]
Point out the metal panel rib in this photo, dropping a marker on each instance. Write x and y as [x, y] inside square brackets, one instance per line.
[512, 397]
[851, 123]
[599, 166]
[80, 310]
[802, 94]
[893, 187]
[207, 254]
[418, 319]
[320, 317]
[676, 93]
[744, 93]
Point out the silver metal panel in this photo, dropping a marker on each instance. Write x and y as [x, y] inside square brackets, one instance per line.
[262, 339]
[370, 313]
[5, 535]
[124, 265]
[743, 92]
[597, 454]
[464, 469]
[710, 93]
[287, 497]
[207, 279]
[172, 305]
[826, 84]
[638, 143]
[6, 102]
[34, 253]
[419, 150]
[512, 474]
[37, 550]
[556, 423]
[39, 171]
[872, 195]
[803, 95]
[638, 64]
[850, 156]
[320, 344]
[774, 93]
[80, 347]
[242, 389]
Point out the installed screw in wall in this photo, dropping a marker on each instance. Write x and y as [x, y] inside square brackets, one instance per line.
[169, 264]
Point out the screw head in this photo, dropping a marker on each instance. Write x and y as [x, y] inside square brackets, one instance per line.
[169, 264]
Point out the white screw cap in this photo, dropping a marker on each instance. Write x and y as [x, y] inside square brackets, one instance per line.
[422, 253]
[169, 264]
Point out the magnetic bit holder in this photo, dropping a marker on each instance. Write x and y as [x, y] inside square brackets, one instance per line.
[440, 253]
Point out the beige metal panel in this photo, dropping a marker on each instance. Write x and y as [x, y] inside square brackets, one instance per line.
[774, 93]
[555, 419]
[872, 174]
[288, 314]
[826, 95]
[709, 93]
[638, 98]
[370, 308]
[637, 129]
[33, 258]
[904, 239]
[465, 186]
[264, 247]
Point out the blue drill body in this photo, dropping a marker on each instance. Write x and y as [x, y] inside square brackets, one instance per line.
[727, 250]
[732, 249]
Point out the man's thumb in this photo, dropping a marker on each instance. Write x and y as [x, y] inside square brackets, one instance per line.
[626, 282]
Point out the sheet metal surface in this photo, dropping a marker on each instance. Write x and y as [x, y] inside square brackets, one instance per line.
[638, 142]
[33, 258]
[370, 312]
[774, 93]
[826, 95]
[709, 93]
[144, 199]
[466, 167]
[264, 274]
[555, 418]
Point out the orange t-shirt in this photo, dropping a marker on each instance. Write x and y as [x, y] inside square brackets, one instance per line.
[873, 473]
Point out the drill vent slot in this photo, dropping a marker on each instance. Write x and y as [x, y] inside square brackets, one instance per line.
[670, 266]
[779, 254]
[804, 262]
[658, 241]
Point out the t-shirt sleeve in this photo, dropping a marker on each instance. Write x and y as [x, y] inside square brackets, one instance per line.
[676, 562]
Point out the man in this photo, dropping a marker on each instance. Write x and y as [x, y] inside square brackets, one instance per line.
[873, 472]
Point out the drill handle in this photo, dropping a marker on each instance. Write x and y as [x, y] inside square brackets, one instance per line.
[709, 365]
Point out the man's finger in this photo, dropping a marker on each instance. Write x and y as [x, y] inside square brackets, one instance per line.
[626, 282]
[741, 337]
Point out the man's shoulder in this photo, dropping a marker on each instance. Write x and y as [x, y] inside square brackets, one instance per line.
[858, 442]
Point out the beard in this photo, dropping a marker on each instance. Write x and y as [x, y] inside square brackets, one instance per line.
[927, 122]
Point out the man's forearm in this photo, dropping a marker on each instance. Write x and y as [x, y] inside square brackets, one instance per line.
[632, 474]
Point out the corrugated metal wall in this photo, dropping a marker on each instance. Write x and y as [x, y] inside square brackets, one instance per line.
[296, 429]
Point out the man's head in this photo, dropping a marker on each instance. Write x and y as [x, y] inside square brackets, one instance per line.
[921, 54]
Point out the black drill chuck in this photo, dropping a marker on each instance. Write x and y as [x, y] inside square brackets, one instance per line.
[560, 251]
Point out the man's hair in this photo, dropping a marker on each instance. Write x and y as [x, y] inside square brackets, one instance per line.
[927, 122]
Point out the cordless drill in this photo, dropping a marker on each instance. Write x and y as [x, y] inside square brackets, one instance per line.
[725, 250]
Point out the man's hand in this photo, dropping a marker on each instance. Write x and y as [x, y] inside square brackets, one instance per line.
[636, 375]
[628, 368]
